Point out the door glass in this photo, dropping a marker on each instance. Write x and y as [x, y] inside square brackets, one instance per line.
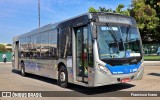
[82, 44]
[85, 51]
[79, 51]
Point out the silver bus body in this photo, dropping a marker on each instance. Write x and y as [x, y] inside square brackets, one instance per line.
[45, 56]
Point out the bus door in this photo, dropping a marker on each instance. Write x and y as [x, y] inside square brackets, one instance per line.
[15, 58]
[81, 39]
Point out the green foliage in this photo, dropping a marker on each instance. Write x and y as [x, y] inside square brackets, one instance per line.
[146, 18]
[2, 48]
[155, 4]
[9, 45]
[119, 10]
[102, 9]
[91, 9]
[152, 58]
[145, 15]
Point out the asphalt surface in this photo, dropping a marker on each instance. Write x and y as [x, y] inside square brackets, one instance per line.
[11, 80]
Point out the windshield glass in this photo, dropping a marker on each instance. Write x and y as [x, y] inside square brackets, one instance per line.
[118, 41]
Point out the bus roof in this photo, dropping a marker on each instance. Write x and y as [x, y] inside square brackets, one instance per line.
[54, 25]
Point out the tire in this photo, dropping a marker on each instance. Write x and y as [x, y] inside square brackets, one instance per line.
[23, 69]
[63, 77]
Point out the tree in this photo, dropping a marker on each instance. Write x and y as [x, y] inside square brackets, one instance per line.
[2, 48]
[155, 4]
[146, 19]
[9, 45]
[102, 9]
[91, 9]
[119, 10]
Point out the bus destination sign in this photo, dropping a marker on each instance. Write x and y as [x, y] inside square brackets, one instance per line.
[115, 19]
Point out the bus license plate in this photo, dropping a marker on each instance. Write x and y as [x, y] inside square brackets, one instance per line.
[125, 80]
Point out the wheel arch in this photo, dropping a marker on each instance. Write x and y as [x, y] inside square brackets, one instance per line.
[21, 63]
[61, 64]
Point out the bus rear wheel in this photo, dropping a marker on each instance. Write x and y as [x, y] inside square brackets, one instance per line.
[23, 69]
[63, 77]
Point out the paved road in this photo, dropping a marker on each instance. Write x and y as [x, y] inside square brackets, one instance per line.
[11, 80]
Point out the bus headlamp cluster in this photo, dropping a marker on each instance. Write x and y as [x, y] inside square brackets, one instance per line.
[103, 69]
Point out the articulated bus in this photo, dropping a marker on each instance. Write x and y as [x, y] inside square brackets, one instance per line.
[92, 49]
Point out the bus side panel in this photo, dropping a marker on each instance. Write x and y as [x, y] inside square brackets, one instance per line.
[15, 55]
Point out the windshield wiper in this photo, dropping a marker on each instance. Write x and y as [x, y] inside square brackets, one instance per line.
[127, 32]
[112, 32]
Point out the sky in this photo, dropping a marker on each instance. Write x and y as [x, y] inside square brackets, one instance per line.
[21, 16]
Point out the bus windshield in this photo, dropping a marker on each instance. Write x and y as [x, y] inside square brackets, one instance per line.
[118, 41]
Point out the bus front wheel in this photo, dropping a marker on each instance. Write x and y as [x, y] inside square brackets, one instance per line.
[23, 69]
[63, 77]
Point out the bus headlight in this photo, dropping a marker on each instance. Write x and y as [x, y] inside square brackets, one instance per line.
[103, 69]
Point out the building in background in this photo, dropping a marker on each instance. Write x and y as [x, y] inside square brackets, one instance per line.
[7, 46]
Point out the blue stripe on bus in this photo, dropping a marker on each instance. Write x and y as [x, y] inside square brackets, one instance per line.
[123, 69]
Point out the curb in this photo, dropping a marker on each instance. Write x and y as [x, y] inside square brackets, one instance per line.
[151, 63]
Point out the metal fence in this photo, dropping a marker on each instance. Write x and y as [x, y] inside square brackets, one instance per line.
[9, 56]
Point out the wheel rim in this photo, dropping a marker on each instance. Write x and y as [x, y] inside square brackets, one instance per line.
[62, 76]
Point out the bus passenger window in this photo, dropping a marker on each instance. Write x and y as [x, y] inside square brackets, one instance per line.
[53, 43]
[65, 43]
